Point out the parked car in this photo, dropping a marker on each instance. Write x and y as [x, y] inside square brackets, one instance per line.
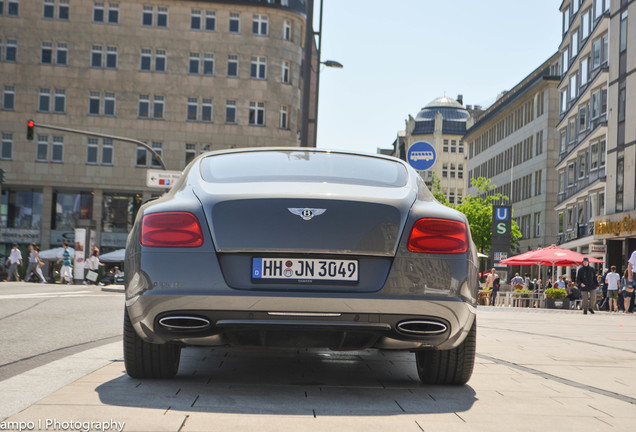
[300, 248]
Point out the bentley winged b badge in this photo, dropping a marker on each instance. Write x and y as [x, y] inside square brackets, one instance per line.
[307, 213]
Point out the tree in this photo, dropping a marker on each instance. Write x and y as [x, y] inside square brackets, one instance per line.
[436, 190]
[478, 211]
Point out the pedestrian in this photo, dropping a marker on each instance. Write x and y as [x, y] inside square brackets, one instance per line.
[587, 282]
[605, 302]
[517, 282]
[92, 267]
[34, 261]
[631, 266]
[66, 273]
[612, 280]
[38, 269]
[627, 290]
[14, 260]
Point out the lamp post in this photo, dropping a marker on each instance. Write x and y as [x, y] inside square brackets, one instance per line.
[307, 69]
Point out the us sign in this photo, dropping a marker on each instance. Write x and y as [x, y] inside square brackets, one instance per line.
[421, 156]
[501, 227]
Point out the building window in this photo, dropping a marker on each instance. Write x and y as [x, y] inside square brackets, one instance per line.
[287, 30]
[259, 25]
[208, 64]
[69, 208]
[46, 56]
[586, 24]
[111, 57]
[235, 23]
[144, 106]
[57, 150]
[119, 212]
[59, 103]
[195, 19]
[158, 148]
[565, 60]
[13, 8]
[94, 103]
[285, 72]
[621, 101]
[162, 17]
[146, 60]
[44, 101]
[564, 100]
[582, 165]
[232, 66]
[6, 151]
[158, 107]
[109, 104]
[574, 43]
[160, 64]
[61, 55]
[42, 149]
[92, 151]
[584, 70]
[210, 21]
[537, 225]
[190, 153]
[257, 114]
[8, 98]
[11, 50]
[96, 56]
[147, 16]
[113, 13]
[160, 60]
[230, 112]
[206, 110]
[48, 11]
[573, 87]
[193, 106]
[21, 208]
[259, 68]
[98, 12]
[193, 65]
[620, 179]
[284, 124]
[594, 157]
[622, 44]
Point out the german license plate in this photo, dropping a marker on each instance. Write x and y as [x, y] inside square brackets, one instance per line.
[302, 270]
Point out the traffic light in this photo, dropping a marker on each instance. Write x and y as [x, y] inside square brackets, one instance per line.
[30, 125]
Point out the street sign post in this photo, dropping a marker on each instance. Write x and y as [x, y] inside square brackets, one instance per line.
[501, 233]
[421, 155]
[162, 178]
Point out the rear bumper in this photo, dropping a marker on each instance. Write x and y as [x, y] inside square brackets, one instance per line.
[335, 322]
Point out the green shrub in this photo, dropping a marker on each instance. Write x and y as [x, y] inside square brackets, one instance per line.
[556, 293]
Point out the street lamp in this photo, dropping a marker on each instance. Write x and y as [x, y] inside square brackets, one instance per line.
[307, 69]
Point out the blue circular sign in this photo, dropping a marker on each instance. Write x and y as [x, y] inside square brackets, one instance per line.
[421, 156]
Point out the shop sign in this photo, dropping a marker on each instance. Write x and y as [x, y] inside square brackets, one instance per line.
[19, 235]
[597, 248]
[616, 226]
[58, 237]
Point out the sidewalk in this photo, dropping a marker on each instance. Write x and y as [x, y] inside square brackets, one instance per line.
[536, 369]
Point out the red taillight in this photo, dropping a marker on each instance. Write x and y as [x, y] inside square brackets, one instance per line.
[438, 236]
[171, 229]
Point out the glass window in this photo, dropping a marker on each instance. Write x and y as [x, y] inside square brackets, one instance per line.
[93, 103]
[111, 57]
[235, 23]
[96, 56]
[585, 64]
[21, 209]
[92, 151]
[69, 208]
[622, 45]
[109, 104]
[44, 100]
[594, 157]
[193, 67]
[6, 151]
[157, 147]
[146, 59]
[208, 64]
[107, 152]
[286, 30]
[195, 19]
[64, 10]
[162, 17]
[11, 50]
[146, 17]
[565, 60]
[232, 66]
[259, 68]
[283, 118]
[291, 165]
[285, 72]
[60, 101]
[193, 106]
[142, 156]
[119, 212]
[8, 98]
[621, 101]
[49, 9]
[42, 149]
[206, 110]
[574, 43]
[57, 150]
[210, 21]
[144, 106]
[257, 114]
[230, 111]
[157, 107]
[190, 153]
[160, 61]
[113, 13]
[259, 25]
[61, 55]
[98, 12]
[47, 53]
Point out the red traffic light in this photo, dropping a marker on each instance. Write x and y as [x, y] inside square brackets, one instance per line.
[30, 125]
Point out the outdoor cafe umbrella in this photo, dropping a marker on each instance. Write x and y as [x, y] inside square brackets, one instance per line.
[116, 256]
[551, 255]
[54, 254]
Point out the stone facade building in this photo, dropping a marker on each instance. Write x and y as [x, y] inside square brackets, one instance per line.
[514, 144]
[582, 127]
[184, 77]
[615, 231]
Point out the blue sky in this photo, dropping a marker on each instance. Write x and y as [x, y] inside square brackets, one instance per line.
[399, 55]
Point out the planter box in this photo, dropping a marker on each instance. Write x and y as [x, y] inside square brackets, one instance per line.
[563, 303]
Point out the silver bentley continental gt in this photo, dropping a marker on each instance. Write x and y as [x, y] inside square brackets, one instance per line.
[289, 247]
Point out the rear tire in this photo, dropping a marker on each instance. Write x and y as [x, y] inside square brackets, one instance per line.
[146, 360]
[448, 367]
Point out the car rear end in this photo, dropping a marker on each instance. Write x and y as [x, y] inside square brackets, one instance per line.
[301, 249]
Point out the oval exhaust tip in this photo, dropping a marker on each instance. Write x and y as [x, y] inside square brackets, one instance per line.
[422, 327]
[184, 322]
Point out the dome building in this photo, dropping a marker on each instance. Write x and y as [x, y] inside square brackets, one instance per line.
[442, 123]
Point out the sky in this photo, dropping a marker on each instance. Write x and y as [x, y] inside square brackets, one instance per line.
[400, 55]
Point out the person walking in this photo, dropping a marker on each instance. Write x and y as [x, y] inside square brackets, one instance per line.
[66, 273]
[612, 280]
[587, 282]
[92, 267]
[14, 260]
[34, 261]
[517, 282]
[627, 291]
[38, 269]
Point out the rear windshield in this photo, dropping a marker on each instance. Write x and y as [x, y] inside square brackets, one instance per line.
[302, 166]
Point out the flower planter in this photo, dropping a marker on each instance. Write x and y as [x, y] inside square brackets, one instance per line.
[562, 303]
